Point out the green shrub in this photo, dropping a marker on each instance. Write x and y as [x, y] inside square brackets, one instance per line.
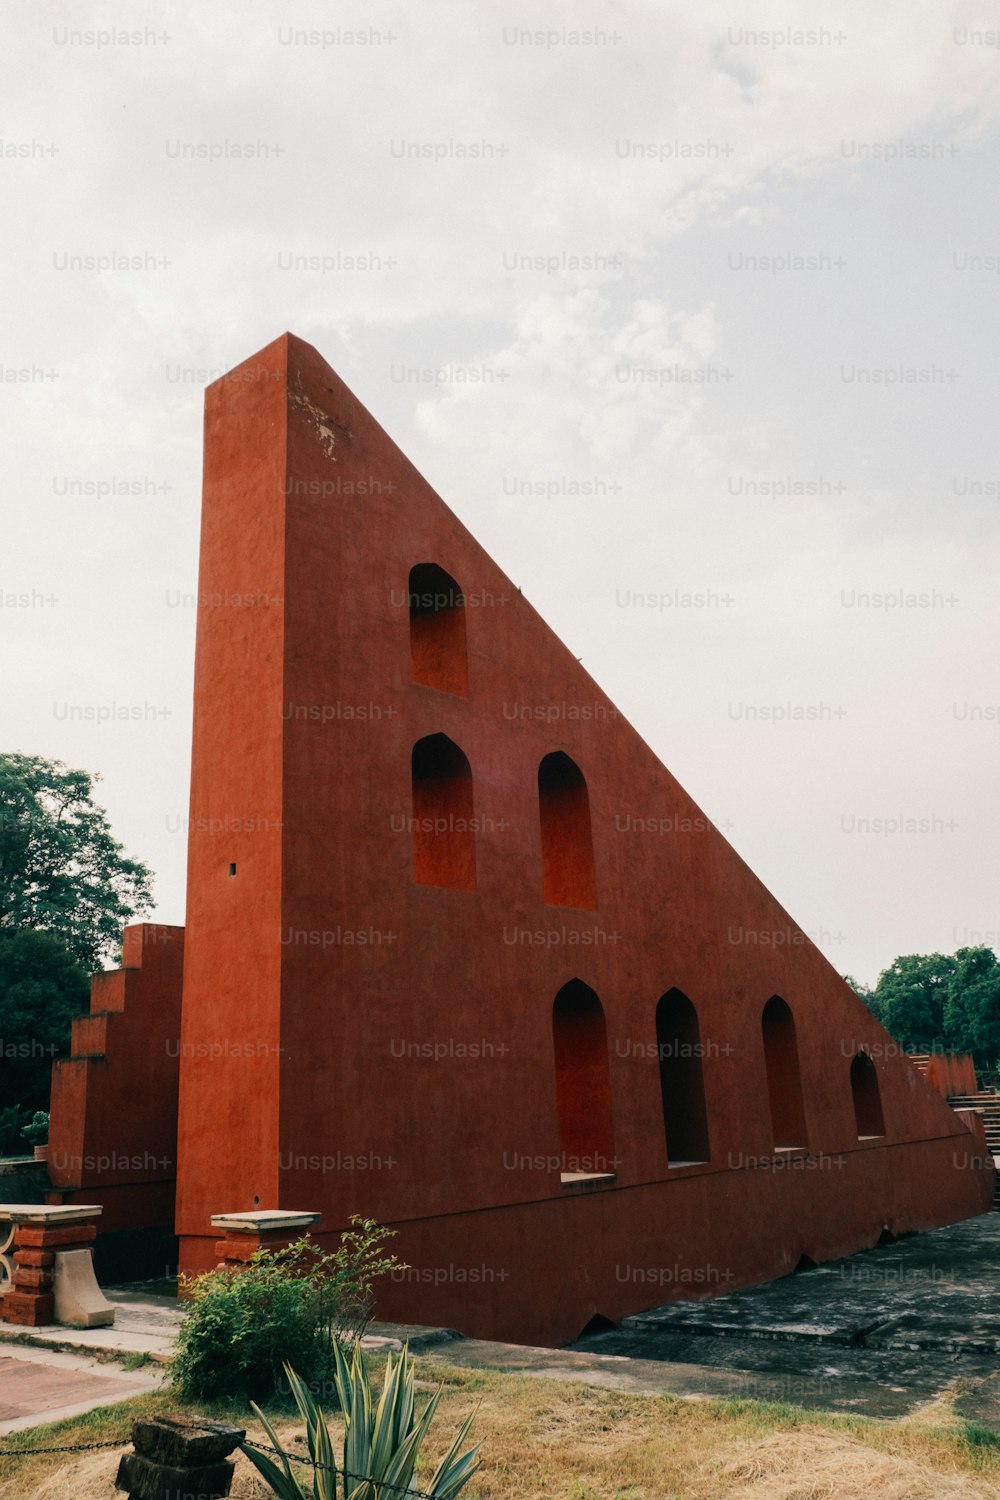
[382, 1440]
[290, 1306]
[36, 1132]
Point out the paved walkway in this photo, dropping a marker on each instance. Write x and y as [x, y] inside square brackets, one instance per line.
[145, 1323]
[38, 1386]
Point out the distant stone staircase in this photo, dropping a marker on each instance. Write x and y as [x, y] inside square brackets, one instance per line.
[986, 1103]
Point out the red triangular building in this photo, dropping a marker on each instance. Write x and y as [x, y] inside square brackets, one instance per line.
[461, 955]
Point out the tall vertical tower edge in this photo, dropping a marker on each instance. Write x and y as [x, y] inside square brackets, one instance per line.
[459, 951]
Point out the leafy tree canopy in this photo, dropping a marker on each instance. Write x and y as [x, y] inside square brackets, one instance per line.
[42, 987]
[61, 870]
[972, 1009]
[910, 998]
[940, 1002]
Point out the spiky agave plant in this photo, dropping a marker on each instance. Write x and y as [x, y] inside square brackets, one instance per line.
[382, 1440]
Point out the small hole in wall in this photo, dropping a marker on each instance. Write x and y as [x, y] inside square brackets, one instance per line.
[232, 869]
[256, 1201]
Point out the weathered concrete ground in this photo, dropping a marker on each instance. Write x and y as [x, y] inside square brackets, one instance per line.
[878, 1333]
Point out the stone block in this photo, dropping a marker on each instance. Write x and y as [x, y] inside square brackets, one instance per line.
[27, 1257]
[32, 1276]
[237, 1247]
[179, 1458]
[79, 1301]
[29, 1309]
[144, 1479]
[185, 1440]
[31, 1237]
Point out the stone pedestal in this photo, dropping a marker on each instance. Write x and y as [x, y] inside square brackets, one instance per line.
[179, 1458]
[53, 1279]
[260, 1229]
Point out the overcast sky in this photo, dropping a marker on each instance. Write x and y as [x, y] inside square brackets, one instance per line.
[732, 271]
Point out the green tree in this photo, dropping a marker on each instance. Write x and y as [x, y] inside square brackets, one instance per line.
[42, 987]
[910, 998]
[972, 1007]
[940, 1002]
[61, 869]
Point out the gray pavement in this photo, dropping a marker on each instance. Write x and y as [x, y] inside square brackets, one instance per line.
[878, 1333]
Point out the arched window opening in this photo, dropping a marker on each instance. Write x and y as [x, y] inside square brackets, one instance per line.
[583, 1083]
[678, 1046]
[567, 846]
[867, 1100]
[444, 842]
[438, 657]
[784, 1082]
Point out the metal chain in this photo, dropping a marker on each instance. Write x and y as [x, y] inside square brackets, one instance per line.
[382, 1484]
[77, 1448]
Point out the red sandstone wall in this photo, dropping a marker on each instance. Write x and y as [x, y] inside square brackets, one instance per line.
[952, 1073]
[458, 1145]
[113, 1123]
[228, 1124]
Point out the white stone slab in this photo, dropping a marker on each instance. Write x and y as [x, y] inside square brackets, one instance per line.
[50, 1215]
[258, 1220]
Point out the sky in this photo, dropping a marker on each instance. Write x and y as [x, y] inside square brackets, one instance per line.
[689, 312]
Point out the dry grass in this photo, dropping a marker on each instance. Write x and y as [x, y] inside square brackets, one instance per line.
[545, 1440]
[807, 1465]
